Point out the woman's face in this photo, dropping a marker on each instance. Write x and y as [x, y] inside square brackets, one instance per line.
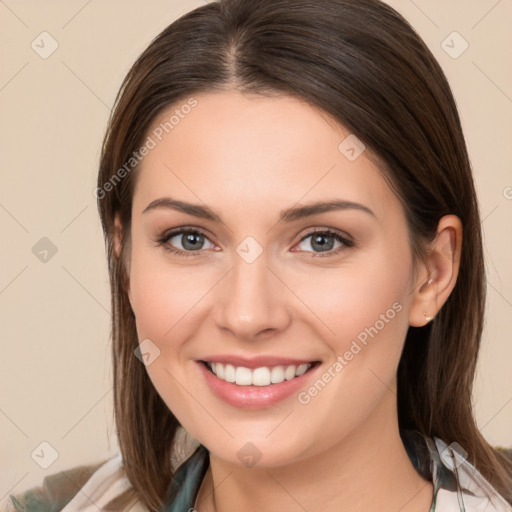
[255, 286]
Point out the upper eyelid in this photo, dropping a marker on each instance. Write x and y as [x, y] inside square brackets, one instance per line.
[332, 231]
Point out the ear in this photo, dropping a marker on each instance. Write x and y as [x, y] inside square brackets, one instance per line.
[438, 274]
[118, 251]
[118, 235]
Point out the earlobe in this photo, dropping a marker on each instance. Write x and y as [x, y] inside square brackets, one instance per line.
[118, 235]
[439, 273]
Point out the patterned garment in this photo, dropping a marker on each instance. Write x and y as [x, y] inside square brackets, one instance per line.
[458, 486]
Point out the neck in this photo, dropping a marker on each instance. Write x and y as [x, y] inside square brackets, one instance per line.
[368, 469]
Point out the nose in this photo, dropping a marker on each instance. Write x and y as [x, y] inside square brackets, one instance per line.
[252, 301]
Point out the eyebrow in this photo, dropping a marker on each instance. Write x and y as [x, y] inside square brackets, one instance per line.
[288, 215]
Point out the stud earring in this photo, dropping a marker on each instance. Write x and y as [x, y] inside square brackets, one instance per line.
[427, 317]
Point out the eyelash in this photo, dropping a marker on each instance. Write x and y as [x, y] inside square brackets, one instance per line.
[166, 236]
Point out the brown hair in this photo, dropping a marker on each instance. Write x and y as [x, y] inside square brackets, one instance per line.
[362, 63]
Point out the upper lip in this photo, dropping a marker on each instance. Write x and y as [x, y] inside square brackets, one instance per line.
[256, 361]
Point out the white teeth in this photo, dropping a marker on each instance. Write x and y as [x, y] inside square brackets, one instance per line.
[263, 376]
[289, 373]
[301, 369]
[277, 375]
[219, 370]
[229, 372]
[243, 376]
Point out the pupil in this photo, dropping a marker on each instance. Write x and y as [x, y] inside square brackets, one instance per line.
[191, 239]
[323, 246]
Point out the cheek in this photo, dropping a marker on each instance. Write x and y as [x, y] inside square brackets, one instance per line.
[166, 303]
[360, 302]
[163, 298]
[160, 294]
[364, 320]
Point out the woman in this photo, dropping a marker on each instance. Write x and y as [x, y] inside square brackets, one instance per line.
[296, 269]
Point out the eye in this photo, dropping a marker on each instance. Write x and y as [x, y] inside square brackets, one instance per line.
[324, 240]
[190, 240]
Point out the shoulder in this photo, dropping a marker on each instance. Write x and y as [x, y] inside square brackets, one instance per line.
[58, 489]
[458, 485]
[472, 491]
[506, 452]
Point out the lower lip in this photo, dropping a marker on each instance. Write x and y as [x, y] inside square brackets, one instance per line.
[255, 396]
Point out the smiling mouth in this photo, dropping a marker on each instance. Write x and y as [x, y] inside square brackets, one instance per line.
[262, 376]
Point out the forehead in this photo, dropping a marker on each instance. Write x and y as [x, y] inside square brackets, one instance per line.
[231, 149]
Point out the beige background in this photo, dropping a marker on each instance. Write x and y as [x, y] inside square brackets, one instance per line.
[55, 364]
